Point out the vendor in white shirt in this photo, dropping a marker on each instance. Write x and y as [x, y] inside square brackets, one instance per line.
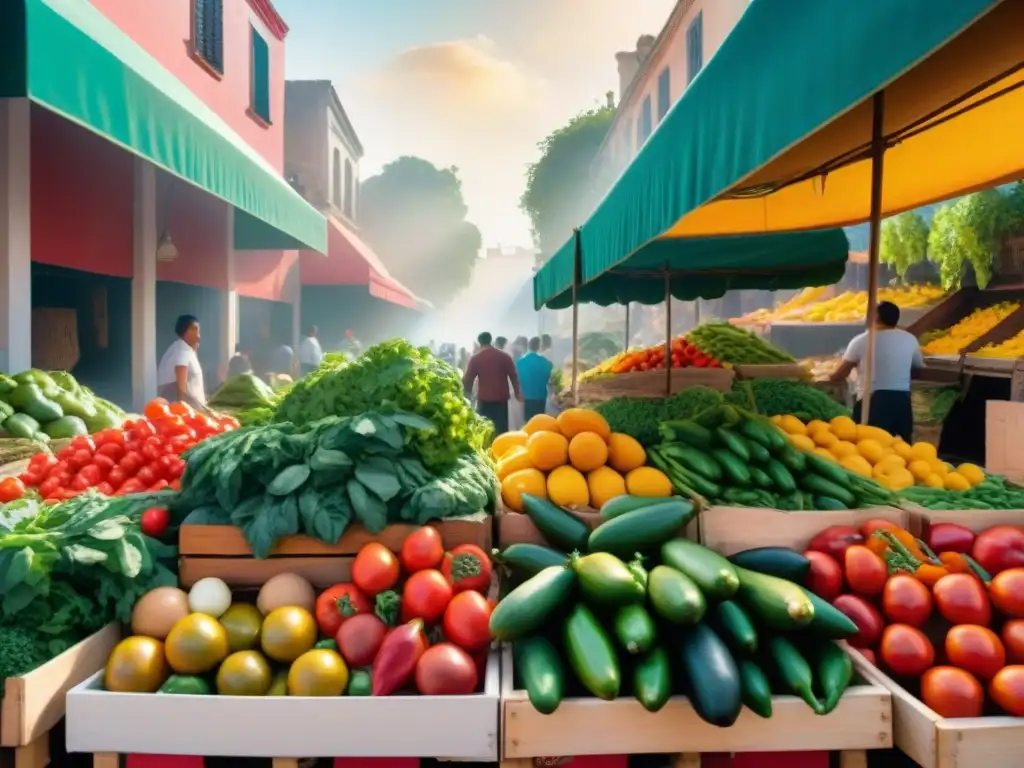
[310, 354]
[179, 377]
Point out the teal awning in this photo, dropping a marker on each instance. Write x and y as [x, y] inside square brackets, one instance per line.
[699, 268]
[68, 57]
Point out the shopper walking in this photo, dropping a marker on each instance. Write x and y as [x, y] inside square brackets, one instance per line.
[310, 353]
[179, 377]
[534, 374]
[493, 372]
[897, 353]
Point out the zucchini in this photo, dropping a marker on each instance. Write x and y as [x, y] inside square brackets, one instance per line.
[828, 620]
[793, 460]
[556, 525]
[730, 440]
[732, 623]
[634, 629]
[761, 479]
[834, 672]
[714, 679]
[541, 672]
[528, 607]
[529, 559]
[794, 671]
[674, 596]
[640, 530]
[828, 469]
[755, 689]
[783, 562]
[620, 505]
[713, 574]
[734, 469]
[591, 654]
[652, 679]
[686, 431]
[693, 460]
[605, 580]
[774, 602]
[828, 503]
[783, 478]
[821, 486]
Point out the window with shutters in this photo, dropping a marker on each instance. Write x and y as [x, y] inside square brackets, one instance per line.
[664, 93]
[646, 123]
[260, 75]
[208, 33]
[695, 47]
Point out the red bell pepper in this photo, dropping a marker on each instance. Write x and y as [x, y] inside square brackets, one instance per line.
[950, 537]
[999, 549]
[395, 662]
[835, 540]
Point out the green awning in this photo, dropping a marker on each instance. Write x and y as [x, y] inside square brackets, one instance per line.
[699, 268]
[69, 58]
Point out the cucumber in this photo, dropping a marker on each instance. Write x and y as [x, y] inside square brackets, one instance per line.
[605, 581]
[693, 460]
[620, 505]
[713, 574]
[783, 562]
[652, 679]
[634, 629]
[674, 596]
[714, 679]
[828, 503]
[763, 433]
[758, 453]
[639, 570]
[591, 654]
[689, 432]
[821, 486]
[793, 460]
[783, 479]
[834, 672]
[828, 469]
[729, 439]
[541, 672]
[693, 480]
[794, 671]
[828, 620]
[774, 602]
[755, 689]
[734, 625]
[556, 525]
[527, 608]
[642, 529]
[529, 559]
[734, 469]
[761, 478]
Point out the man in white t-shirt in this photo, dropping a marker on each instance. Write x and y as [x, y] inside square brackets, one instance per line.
[310, 353]
[897, 353]
[179, 377]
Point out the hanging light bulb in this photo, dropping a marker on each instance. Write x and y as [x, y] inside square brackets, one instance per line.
[166, 250]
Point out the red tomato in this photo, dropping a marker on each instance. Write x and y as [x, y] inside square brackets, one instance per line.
[30, 479]
[116, 477]
[962, 599]
[64, 479]
[80, 482]
[466, 621]
[11, 488]
[999, 548]
[1007, 592]
[359, 639]
[825, 577]
[131, 485]
[41, 463]
[160, 485]
[976, 649]
[467, 567]
[109, 437]
[58, 469]
[905, 600]
[338, 603]
[131, 463]
[154, 521]
[867, 618]
[65, 453]
[422, 549]
[905, 650]
[80, 458]
[105, 463]
[835, 539]
[92, 474]
[866, 573]
[157, 409]
[146, 477]
[113, 451]
[141, 430]
[952, 692]
[445, 670]
[1013, 640]
[182, 409]
[49, 487]
[426, 596]
[375, 569]
[105, 488]
[83, 443]
[869, 656]
[177, 469]
[1007, 690]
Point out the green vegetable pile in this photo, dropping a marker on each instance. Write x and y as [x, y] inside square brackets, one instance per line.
[727, 633]
[395, 374]
[777, 397]
[36, 405]
[244, 391]
[729, 344]
[281, 479]
[994, 492]
[732, 457]
[641, 417]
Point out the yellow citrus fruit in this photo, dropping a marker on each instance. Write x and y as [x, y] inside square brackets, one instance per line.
[568, 488]
[871, 450]
[588, 451]
[972, 472]
[843, 448]
[954, 481]
[823, 438]
[530, 481]
[924, 451]
[844, 428]
[541, 423]
[920, 469]
[503, 443]
[934, 481]
[803, 442]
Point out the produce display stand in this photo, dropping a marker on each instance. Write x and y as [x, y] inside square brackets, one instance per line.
[652, 383]
[289, 728]
[34, 703]
[774, 371]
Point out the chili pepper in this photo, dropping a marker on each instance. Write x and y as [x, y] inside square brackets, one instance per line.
[929, 575]
[835, 540]
[396, 659]
[950, 537]
[911, 544]
[877, 545]
[898, 557]
[977, 570]
[929, 556]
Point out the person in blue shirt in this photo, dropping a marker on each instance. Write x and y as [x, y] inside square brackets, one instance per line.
[534, 373]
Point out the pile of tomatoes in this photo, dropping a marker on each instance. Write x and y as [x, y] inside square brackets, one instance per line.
[683, 355]
[143, 455]
[950, 627]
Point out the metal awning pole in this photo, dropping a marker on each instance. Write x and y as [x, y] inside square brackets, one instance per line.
[625, 341]
[668, 332]
[576, 269]
[877, 157]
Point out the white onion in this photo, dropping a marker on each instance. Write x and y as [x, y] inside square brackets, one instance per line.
[210, 596]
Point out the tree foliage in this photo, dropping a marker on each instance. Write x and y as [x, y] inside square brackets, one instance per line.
[560, 190]
[903, 241]
[414, 216]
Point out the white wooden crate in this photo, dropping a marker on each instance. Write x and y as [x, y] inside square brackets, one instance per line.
[458, 727]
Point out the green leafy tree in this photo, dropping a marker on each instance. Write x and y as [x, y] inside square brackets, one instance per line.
[560, 188]
[972, 232]
[903, 241]
[414, 216]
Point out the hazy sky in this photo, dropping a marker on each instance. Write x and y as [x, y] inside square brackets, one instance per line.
[471, 83]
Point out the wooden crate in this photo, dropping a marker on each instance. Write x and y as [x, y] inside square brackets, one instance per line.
[1004, 449]
[976, 520]
[222, 551]
[777, 371]
[34, 703]
[589, 726]
[652, 383]
[728, 530]
[932, 741]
